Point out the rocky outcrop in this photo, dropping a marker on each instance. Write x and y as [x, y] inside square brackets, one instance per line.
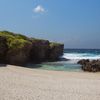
[91, 66]
[18, 49]
[39, 51]
[3, 49]
[55, 51]
[83, 61]
[19, 56]
[43, 50]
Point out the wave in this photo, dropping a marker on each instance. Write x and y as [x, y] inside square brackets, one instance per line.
[79, 56]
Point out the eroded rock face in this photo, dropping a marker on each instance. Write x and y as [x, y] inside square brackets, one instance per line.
[91, 66]
[55, 51]
[42, 50]
[3, 49]
[19, 56]
[39, 51]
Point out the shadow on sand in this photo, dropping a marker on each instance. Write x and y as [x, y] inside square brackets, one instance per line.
[32, 66]
[3, 65]
[26, 66]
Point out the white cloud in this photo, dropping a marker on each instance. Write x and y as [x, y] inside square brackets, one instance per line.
[39, 9]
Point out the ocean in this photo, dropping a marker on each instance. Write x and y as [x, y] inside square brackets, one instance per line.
[73, 56]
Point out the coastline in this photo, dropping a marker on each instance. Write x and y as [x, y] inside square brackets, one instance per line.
[20, 83]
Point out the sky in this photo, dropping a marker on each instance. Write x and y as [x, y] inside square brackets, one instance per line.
[76, 23]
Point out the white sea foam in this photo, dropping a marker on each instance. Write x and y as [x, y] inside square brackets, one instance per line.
[78, 56]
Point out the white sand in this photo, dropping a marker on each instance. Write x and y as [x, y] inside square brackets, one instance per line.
[18, 83]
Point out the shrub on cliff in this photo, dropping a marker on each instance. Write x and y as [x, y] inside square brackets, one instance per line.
[14, 41]
[6, 33]
[53, 44]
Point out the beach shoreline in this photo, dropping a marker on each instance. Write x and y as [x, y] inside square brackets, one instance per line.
[20, 83]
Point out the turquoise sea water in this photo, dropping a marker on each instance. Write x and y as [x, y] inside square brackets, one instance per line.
[60, 66]
[73, 55]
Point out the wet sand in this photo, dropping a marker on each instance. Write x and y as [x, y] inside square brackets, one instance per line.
[19, 83]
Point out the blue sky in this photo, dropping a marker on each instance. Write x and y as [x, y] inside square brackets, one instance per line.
[76, 23]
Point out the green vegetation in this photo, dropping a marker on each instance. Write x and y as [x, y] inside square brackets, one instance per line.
[34, 39]
[6, 33]
[53, 44]
[15, 41]
[20, 36]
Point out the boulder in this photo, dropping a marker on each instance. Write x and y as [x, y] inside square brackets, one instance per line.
[91, 66]
[83, 61]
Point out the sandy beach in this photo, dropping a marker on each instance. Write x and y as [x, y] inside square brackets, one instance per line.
[19, 83]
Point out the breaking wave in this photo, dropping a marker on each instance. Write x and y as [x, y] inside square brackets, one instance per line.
[79, 56]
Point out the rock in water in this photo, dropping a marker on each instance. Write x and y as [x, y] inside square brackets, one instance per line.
[91, 66]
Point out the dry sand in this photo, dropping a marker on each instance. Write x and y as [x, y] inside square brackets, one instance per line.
[18, 83]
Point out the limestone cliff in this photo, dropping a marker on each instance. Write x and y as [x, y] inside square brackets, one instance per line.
[18, 49]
